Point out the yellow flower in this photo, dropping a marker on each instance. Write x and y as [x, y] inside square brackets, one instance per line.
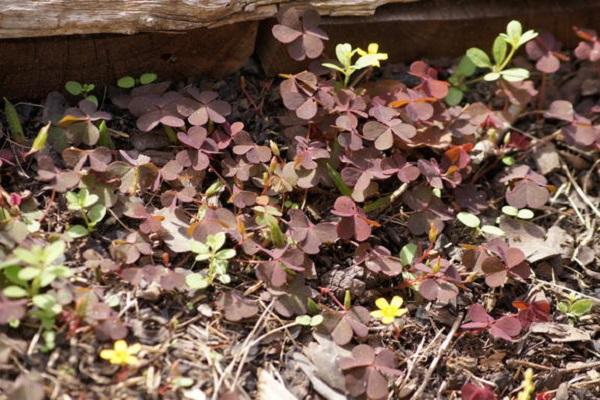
[388, 311]
[121, 353]
[371, 57]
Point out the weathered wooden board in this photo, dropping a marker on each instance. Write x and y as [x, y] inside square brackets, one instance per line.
[30, 68]
[29, 18]
[438, 28]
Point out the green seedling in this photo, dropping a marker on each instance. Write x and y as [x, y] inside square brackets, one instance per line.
[269, 216]
[345, 53]
[129, 82]
[82, 89]
[575, 308]
[307, 320]
[504, 49]
[91, 211]
[523, 213]
[218, 261]
[473, 221]
[28, 272]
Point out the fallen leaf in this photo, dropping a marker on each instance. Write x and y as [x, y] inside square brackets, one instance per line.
[560, 333]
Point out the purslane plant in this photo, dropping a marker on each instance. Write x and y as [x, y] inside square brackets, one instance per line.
[89, 208]
[218, 261]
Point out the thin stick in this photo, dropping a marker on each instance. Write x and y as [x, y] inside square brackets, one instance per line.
[419, 393]
[580, 191]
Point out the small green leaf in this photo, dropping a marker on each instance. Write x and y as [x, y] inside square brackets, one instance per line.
[74, 88]
[216, 241]
[499, 50]
[303, 320]
[581, 307]
[514, 31]
[196, 281]
[54, 251]
[337, 180]
[126, 82]
[563, 307]
[510, 210]
[39, 143]
[225, 254]
[492, 230]
[465, 67]
[96, 214]
[407, 253]
[93, 99]
[468, 219]
[525, 213]
[514, 74]
[43, 301]
[479, 58]
[104, 139]
[28, 273]
[148, 78]
[15, 292]
[454, 96]
[312, 307]
[198, 247]
[14, 123]
[333, 66]
[491, 76]
[344, 53]
[527, 36]
[26, 256]
[347, 299]
[508, 160]
[316, 320]
[77, 231]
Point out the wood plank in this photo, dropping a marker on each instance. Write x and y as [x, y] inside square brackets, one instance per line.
[31, 18]
[30, 68]
[438, 28]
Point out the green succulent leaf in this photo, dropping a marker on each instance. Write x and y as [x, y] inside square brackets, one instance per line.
[454, 96]
[581, 307]
[510, 210]
[479, 57]
[514, 74]
[74, 88]
[15, 292]
[492, 230]
[407, 253]
[216, 241]
[126, 82]
[28, 273]
[525, 213]
[96, 214]
[491, 76]
[499, 50]
[148, 78]
[468, 219]
[196, 281]
[77, 231]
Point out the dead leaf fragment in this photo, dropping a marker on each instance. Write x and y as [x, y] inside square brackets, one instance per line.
[561, 333]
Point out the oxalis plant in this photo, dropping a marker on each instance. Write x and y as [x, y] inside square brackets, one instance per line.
[30, 271]
[503, 50]
[218, 261]
[345, 53]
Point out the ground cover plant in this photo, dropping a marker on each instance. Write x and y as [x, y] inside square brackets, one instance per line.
[361, 229]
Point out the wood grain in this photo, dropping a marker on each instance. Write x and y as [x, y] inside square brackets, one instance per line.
[32, 18]
[433, 29]
[30, 68]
